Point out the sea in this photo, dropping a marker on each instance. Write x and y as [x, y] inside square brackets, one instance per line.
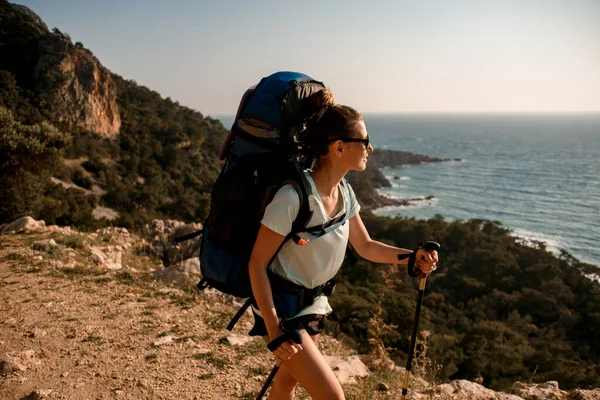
[537, 174]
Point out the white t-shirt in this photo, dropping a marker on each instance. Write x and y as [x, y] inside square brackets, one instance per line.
[318, 261]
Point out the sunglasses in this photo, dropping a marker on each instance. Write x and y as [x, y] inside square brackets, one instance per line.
[366, 141]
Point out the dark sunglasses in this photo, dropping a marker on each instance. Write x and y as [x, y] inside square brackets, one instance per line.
[366, 141]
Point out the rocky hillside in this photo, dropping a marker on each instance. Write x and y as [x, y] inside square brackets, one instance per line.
[97, 316]
[68, 81]
[126, 154]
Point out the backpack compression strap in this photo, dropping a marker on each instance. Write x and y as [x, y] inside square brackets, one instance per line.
[189, 236]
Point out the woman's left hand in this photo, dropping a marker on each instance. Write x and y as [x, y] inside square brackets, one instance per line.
[427, 260]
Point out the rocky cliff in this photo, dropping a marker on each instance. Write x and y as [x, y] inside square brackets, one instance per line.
[64, 77]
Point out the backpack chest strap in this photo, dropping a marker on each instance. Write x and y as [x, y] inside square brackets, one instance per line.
[320, 230]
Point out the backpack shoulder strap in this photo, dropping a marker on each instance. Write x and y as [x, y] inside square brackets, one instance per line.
[300, 183]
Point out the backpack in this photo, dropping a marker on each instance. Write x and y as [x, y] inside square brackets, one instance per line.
[262, 152]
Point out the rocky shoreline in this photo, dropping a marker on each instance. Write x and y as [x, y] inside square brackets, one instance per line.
[380, 160]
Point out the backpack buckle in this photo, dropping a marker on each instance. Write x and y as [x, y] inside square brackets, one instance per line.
[299, 241]
[203, 284]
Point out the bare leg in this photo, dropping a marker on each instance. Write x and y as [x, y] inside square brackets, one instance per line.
[310, 369]
[284, 384]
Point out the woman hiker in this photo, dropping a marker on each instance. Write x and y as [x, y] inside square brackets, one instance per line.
[339, 142]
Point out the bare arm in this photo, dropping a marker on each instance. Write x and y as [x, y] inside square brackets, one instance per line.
[267, 243]
[378, 252]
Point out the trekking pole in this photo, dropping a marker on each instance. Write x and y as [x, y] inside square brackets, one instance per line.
[428, 246]
[296, 337]
[269, 380]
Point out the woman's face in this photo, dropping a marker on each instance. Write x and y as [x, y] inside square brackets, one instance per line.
[358, 151]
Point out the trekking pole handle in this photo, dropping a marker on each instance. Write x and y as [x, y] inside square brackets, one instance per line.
[294, 336]
[428, 246]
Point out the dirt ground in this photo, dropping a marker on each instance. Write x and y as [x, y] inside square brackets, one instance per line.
[70, 329]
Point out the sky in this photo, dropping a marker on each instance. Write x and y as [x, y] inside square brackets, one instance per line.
[427, 56]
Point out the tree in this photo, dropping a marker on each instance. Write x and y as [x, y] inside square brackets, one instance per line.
[30, 156]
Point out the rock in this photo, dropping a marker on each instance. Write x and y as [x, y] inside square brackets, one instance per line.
[48, 246]
[378, 362]
[39, 394]
[160, 229]
[17, 362]
[347, 369]
[35, 333]
[540, 391]
[185, 272]
[65, 77]
[120, 235]
[466, 390]
[163, 340]
[36, 18]
[64, 230]
[184, 250]
[107, 257]
[238, 340]
[104, 212]
[79, 88]
[23, 224]
[162, 235]
[71, 262]
[383, 387]
[580, 394]
[98, 256]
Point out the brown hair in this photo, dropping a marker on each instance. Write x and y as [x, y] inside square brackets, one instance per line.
[329, 122]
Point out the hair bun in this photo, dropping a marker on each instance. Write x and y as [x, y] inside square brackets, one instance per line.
[323, 98]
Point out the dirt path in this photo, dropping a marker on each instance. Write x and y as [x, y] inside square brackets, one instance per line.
[71, 330]
[97, 334]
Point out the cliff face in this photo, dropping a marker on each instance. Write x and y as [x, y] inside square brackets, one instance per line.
[75, 83]
[65, 77]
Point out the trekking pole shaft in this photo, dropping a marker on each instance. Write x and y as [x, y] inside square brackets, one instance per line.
[268, 381]
[413, 338]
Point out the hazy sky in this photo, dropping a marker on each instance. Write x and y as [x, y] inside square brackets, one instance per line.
[378, 56]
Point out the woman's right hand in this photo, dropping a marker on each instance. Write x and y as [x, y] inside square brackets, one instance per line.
[426, 260]
[287, 349]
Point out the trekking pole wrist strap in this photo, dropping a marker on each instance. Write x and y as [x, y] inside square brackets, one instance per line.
[412, 256]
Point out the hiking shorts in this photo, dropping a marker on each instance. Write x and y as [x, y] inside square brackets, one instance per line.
[312, 323]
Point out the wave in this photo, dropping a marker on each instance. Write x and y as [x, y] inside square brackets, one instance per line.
[412, 202]
[529, 238]
[593, 277]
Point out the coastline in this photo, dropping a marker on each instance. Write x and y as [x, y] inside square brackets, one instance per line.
[382, 159]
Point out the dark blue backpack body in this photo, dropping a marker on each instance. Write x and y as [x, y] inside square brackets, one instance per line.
[261, 154]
